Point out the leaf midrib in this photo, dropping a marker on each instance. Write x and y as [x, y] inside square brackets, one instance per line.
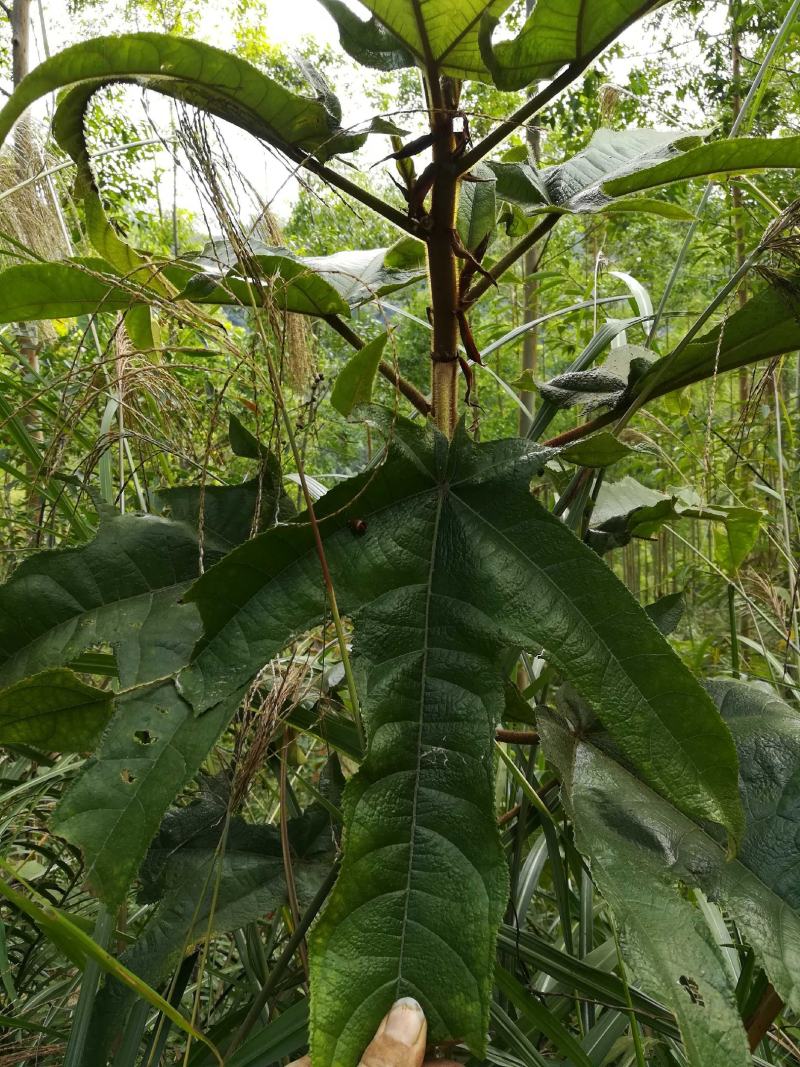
[423, 693]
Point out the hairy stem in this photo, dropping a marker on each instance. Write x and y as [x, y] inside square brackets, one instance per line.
[442, 261]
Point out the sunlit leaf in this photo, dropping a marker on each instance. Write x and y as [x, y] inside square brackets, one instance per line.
[186, 70]
[556, 33]
[441, 33]
[736, 155]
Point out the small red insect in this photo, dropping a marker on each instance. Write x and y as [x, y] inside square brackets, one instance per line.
[358, 526]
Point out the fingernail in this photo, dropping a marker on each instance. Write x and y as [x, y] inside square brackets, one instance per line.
[405, 1021]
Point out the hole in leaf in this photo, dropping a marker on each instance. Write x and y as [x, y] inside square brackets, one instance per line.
[144, 737]
[127, 777]
[693, 990]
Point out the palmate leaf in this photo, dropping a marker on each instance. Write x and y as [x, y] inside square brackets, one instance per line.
[441, 33]
[457, 564]
[641, 850]
[122, 589]
[556, 33]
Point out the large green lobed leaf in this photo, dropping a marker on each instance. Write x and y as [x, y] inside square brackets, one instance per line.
[642, 851]
[558, 32]
[457, 564]
[208, 874]
[123, 590]
[442, 32]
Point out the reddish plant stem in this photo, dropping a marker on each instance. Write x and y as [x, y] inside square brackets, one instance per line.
[518, 737]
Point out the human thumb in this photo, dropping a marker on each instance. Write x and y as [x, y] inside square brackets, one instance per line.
[400, 1039]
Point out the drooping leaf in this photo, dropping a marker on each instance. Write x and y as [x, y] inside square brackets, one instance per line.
[580, 184]
[196, 73]
[89, 286]
[558, 32]
[368, 42]
[54, 711]
[767, 325]
[243, 442]
[737, 155]
[288, 281]
[626, 509]
[354, 382]
[32, 291]
[443, 524]
[476, 207]
[68, 130]
[622, 826]
[644, 205]
[735, 540]
[322, 285]
[520, 184]
[666, 941]
[600, 450]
